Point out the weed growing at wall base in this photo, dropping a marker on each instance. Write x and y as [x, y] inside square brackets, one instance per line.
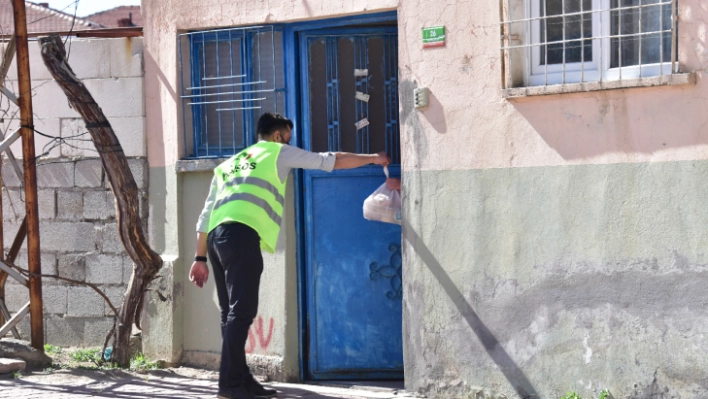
[86, 355]
[604, 394]
[51, 349]
[92, 359]
[141, 363]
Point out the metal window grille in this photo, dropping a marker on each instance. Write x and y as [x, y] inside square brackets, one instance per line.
[576, 41]
[229, 78]
[353, 86]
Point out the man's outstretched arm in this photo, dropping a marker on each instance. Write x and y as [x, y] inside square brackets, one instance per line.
[348, 160]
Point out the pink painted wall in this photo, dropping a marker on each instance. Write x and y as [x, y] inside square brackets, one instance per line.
[165, 18]
[470, 125]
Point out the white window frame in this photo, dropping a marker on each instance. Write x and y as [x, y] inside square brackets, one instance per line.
[583, 72]
[628, 72]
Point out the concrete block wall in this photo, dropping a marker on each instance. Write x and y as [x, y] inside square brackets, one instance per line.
[78, 233]
[112, 70]
[79, 240]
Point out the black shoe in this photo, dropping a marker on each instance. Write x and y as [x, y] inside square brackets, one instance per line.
[239, 392]
[257, 389]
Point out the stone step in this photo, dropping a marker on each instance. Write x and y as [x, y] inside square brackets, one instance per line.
[11, 365]
[17, 349]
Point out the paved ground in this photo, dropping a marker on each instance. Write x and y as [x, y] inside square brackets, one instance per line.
[171, 383]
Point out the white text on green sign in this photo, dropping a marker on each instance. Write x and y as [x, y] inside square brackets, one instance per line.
[434, 37]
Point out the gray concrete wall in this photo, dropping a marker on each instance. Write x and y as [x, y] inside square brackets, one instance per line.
[551, 243]
[571, 278]
[272, 347]
[79, 240]
[162, 334]
[78, 234]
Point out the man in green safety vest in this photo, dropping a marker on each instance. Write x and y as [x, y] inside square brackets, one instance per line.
[241, 216]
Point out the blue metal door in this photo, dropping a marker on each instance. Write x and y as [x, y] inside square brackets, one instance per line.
[352, 265]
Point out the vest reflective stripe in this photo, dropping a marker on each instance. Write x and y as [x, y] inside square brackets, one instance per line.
[258, 182]
[259, 202]
[249, 191]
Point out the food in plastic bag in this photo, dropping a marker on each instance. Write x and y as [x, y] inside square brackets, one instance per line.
[384, 205]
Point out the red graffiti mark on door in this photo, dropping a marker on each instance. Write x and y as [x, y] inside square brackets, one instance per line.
[263, 341]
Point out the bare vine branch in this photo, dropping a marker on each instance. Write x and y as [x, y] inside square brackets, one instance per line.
[26, 273]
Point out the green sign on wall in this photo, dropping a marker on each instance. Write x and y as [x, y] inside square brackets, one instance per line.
[434, 37]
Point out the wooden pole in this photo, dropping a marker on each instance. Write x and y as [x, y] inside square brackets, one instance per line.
[28, 155]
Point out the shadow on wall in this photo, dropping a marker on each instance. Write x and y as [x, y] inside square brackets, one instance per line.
[506, 364]
[435, 114]
[155, 79]
[634, 121]
[410, 116]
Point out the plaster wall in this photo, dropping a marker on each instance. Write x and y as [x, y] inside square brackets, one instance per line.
[580, 277]
[469, 125]
[170, 17]
[550, 243]
[273, 335]
[177, 198]
[579, 211]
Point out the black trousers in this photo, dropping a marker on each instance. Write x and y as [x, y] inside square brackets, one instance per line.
[235, 255]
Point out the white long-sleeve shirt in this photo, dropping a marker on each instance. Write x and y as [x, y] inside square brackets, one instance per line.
[288, 159]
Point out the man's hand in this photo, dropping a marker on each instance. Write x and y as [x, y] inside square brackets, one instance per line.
[199, 273]
[382, 159]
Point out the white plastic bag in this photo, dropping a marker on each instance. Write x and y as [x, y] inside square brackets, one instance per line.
[384, 205]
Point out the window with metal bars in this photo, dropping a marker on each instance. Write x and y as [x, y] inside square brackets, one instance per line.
[575, 41]
[229, 78]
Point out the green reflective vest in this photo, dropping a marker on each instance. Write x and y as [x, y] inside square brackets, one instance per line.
[249, 191]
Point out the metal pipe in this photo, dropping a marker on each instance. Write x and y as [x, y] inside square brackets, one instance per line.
[674, 21]
[234, 92]
[7, 60]
[9, 140]
[218, 73]
[6, 317]
[578, 40]
[181, 84]
[582, 45]
[224, 77]
[14, 274]
[233, 96]
[133, 31]
[501, 39]
[545, 40]
[236, 109]
[205, 112]
[27, 126]
[619, 41]
[226, 85]
[570, 14]
[17, 317]
[563, 19]
[640, 41]
[661, 41]
[601, 67]
[225, 30]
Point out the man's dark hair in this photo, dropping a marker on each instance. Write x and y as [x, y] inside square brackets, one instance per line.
[269, 122]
